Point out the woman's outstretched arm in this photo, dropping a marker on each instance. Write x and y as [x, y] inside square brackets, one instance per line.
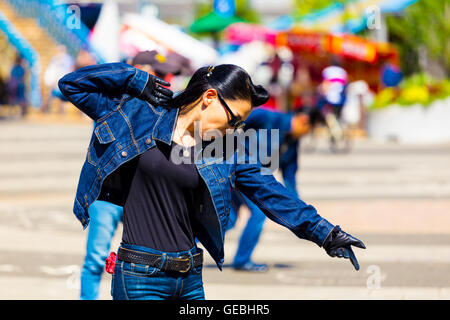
[286, 209]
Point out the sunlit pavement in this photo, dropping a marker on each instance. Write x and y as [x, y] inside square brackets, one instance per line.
[396, 198]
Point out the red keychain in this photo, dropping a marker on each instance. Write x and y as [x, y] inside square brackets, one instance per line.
[110, 263]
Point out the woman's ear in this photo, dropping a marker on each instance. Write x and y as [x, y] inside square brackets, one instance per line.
[208, 97]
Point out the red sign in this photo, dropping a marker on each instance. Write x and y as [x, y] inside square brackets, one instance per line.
[239, 33]
[353, 47]
[306, 41]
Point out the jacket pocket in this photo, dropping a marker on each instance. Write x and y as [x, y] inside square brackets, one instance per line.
[103, 133]
[101, 140]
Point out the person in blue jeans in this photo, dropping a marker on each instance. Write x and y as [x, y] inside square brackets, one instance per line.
[168, 203]
[291, 128]
[16, 86]
[289, 162]
[105, 217]
[250, 235]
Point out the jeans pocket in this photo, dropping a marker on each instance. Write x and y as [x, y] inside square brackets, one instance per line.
[139, 270]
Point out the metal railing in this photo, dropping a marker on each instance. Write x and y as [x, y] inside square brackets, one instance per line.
[61, 22]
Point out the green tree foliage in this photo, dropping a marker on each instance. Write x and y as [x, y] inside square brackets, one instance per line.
[425, 24]
[303, 7]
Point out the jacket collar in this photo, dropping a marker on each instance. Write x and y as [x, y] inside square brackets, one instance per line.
[164, 127]
[164, 130]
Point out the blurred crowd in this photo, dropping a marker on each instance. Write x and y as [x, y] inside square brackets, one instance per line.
[294, 85]
[14, 88]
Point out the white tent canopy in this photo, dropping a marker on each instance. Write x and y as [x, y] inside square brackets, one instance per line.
[104, 37]
[249, 56]
[148, 33]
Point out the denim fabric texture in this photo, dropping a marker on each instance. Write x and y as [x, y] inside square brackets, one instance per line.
[141, 282]
[104, 217]
[126, 126]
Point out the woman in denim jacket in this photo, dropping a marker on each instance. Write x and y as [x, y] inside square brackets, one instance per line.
[160, 159]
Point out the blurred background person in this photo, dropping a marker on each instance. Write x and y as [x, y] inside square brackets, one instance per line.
[104, 219]
[155, 63]
[16, 85]
[172, 68]
[3, 91]
[332, 90]
[290, 126]
[359, 98]
[61, 64]
[84, 59]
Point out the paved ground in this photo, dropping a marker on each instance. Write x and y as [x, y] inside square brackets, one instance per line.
[396, 198]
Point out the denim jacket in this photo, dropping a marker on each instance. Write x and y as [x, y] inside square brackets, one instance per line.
[126, 126]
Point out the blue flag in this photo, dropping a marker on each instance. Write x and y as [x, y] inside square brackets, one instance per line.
[224, 8]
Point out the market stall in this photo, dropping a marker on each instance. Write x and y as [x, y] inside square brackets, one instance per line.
[361, 58]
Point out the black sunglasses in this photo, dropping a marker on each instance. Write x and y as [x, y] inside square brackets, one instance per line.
[235, 121]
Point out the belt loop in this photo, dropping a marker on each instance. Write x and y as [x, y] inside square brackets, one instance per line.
[163, 261]
[191, 256]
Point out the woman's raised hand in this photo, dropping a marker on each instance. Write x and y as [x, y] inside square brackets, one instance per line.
[155, 93]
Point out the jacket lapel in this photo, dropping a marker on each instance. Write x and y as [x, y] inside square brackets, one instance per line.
[164, 127]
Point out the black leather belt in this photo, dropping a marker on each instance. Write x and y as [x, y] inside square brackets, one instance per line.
[180, 264]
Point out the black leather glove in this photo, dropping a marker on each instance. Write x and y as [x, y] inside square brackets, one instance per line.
[155, 93]
[338, 244]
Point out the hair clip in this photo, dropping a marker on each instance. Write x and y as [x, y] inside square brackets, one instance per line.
[210, 70]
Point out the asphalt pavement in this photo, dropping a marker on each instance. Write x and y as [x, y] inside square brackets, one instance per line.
[396, 198]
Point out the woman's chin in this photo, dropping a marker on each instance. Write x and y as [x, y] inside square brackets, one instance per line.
[212, 134]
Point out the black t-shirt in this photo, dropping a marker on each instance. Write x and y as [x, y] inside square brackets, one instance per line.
[160, 201]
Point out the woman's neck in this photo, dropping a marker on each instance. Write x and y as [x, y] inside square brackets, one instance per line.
[185, 126]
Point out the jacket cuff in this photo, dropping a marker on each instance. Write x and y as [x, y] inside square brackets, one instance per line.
[137, 84]
[321, 232]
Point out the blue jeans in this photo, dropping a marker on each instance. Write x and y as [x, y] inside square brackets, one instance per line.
[105, 217]
[289, 165]
[140, 282]
[252, 231]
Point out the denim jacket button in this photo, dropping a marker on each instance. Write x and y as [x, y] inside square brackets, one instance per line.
[124, 154]
[148, 141]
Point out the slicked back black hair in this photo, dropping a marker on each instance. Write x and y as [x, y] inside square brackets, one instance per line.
[231, 82]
